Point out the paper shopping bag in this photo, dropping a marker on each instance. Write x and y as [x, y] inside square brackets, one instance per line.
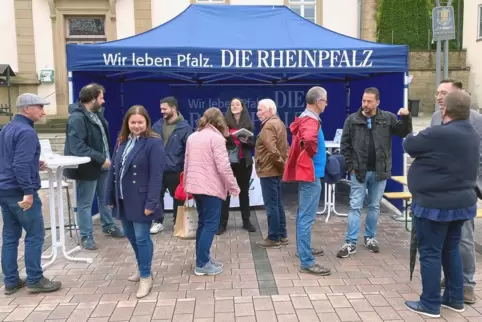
[186, 222]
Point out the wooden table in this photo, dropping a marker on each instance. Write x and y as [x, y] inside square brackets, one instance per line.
[400, 179]
[406, 198]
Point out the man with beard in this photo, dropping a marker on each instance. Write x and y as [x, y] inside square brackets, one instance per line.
[88, 136]
[467, 245]
[366, 145]
[174, 131]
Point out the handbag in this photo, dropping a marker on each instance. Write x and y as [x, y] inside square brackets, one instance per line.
[180, 194]
[233, 155]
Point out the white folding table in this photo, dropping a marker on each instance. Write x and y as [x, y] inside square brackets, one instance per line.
[330, 190]
[55, 166]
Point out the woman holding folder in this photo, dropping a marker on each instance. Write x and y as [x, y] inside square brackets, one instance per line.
[239, 142]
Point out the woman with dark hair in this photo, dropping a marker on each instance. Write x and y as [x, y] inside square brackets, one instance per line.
[239, 149]
[208, 176]
[134, 187]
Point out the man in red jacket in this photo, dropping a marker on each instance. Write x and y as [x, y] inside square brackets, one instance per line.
[306, 165]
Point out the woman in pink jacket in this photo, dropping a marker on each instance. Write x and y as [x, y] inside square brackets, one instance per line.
[208, 176]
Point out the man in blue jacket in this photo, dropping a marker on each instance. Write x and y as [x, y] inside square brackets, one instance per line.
[174, 131]
[442, 180]
[88, 136]
[21, 206]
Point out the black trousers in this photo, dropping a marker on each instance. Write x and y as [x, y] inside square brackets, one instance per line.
[243, 177]
[170, 181]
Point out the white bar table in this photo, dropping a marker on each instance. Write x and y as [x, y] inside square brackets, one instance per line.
[55, 166]
[330, 190]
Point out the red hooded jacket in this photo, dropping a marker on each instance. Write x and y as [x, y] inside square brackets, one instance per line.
[304, 145]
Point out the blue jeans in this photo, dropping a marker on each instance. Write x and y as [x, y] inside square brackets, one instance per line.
[14, 219]
[308, 200]
[438, 246]
[275, 210]
[138, 234]
[357, 197]
[209, 211]
[85, 196]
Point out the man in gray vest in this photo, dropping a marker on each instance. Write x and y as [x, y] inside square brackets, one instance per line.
[467, 245]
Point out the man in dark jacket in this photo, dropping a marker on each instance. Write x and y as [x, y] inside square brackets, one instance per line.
[174, 131]
[21, 206]
[366, 145]
[88, 136]
[442, 180]
[467, 243]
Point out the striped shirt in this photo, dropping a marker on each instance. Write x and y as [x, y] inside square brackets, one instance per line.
[130, 145]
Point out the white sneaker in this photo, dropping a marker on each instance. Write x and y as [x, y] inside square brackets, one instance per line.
[157, 228]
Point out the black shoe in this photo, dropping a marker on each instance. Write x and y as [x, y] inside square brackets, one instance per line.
[346, 250]
[249, 227]
[221, 230]
[12, 289]
[44, 286]
[372, 245]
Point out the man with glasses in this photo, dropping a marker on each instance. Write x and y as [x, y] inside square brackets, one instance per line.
[467, 245]
[366, 145]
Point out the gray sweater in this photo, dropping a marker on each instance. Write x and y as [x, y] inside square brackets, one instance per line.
[476, 121]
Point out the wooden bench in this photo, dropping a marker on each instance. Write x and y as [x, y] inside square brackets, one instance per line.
[406, 197]
[398, 195]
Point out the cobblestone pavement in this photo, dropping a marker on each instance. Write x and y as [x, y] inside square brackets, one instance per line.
[256, 285]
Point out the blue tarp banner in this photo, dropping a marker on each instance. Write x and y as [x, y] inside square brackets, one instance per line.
[208, 39]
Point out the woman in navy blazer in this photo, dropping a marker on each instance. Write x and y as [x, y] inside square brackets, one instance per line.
[134, 188]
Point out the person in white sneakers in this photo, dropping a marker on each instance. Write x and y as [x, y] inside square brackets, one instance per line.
[174, 131]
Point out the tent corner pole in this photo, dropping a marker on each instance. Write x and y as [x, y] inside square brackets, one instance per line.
[348, 94]
[122, 95]
[405, 90]
[71, 88]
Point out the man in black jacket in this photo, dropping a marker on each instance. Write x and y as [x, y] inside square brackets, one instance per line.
[88, 136]
[366, 145]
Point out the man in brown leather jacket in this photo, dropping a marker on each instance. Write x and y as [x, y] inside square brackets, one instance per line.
[271, 152]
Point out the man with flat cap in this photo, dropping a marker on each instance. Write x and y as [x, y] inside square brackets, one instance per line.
[21, 206]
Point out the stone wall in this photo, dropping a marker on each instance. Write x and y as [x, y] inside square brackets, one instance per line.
[422, 68]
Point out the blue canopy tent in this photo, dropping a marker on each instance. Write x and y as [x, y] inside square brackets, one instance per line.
[263, 49]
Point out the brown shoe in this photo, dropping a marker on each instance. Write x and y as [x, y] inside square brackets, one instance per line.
[469, 296]
[284, 241]
[316, 269]
[315, 252]
[268, 243]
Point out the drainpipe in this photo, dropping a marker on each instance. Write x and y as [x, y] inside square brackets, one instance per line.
[359, 13]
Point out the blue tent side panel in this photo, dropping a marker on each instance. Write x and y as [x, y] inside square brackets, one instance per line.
[216, 38]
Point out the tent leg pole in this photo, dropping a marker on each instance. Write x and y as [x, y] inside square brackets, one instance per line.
[71, 88]
[122, 96]
[405, 90]
[347, 91]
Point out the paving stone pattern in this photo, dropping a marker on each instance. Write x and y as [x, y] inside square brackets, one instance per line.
[256, 285]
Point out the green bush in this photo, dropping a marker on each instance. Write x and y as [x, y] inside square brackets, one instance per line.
[409, 22]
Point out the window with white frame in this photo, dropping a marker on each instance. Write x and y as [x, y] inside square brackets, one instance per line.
[305, 8]
[85, 30]
[479, 23]
[210, 1]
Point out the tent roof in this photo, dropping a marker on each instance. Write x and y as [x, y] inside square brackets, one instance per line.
[276, 40]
